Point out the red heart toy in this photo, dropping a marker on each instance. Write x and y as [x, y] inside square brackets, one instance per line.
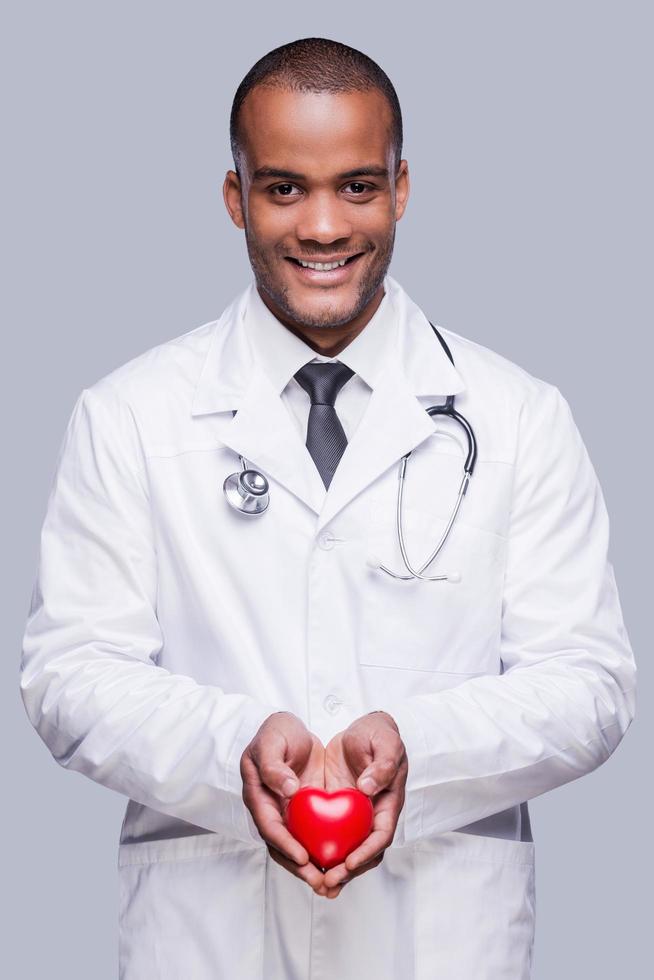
[329, 825]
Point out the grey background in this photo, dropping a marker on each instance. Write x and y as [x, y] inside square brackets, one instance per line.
[529, 230]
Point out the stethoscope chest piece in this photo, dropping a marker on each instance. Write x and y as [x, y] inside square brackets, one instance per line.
[247, 492]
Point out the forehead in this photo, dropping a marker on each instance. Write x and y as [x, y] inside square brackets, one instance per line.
[315, 131]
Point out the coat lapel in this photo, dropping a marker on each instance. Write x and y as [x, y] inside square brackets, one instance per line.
[263, 432]
[395, 421]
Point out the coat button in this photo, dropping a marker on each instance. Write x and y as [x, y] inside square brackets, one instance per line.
[332, 704]
[326, 541]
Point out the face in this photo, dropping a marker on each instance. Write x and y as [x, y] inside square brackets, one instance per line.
[318, 184]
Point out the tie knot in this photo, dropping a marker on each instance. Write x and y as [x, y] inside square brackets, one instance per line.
[323, 380]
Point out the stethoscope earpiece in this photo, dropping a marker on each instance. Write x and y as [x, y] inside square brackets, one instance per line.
[375, 562]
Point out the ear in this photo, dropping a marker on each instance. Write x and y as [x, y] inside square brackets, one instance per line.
[402, 189]
[233, 198]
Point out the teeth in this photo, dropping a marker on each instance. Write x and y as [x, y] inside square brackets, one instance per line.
[321, 266]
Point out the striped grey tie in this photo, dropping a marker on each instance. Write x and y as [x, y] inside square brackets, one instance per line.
[326, 440]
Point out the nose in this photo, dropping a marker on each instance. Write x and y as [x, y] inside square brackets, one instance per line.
[323, 219]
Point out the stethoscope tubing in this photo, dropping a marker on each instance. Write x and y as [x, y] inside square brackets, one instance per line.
[413, 572]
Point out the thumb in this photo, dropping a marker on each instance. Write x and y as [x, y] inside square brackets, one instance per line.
[376, 776]
[273, 771]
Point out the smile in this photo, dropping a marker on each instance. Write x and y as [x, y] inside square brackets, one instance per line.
[321, 266]
[326, 272]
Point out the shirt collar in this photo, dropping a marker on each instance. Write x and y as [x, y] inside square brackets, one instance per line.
[282, 353]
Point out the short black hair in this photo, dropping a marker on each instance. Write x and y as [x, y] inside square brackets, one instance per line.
[316, 64]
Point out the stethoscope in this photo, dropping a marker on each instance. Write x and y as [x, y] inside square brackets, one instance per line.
[248, 491]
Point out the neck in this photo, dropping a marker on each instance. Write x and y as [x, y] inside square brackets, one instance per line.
[329, 341]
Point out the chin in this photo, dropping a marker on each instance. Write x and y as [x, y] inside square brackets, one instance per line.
[328, 312]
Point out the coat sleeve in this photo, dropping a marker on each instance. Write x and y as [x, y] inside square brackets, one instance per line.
[566, 693]
[88, 677]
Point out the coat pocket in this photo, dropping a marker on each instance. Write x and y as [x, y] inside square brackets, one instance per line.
[475, 907]
[450, 627]
[191, 907]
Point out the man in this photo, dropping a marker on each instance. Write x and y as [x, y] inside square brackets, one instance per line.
[207, 663]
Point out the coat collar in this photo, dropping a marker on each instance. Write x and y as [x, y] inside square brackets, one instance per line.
[262, 431]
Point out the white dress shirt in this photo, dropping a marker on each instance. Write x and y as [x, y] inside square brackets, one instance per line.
[282, 353]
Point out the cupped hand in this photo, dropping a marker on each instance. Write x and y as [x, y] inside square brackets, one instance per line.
[282, 757]
[369, 755]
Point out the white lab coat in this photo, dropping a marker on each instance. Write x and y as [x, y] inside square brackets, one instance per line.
[164, 628]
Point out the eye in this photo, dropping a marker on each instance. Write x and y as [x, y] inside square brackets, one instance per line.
[364, 187]
[279, 187]
[285, 190]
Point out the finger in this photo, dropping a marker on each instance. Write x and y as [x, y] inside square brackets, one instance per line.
[376, 842]
[256, 783]
[308, 872]
[271, 755]
[266, 810]
[381, 772]
[281, 838]
[387, 806]
[340, 874]
[313, 773]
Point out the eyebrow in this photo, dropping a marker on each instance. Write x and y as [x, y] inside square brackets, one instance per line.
[265, 173]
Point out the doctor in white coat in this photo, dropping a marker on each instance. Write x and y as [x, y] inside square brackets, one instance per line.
[193, 659]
